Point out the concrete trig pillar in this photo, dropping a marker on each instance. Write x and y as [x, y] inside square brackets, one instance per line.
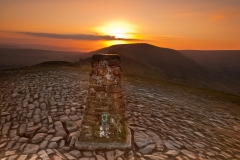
[104, 124]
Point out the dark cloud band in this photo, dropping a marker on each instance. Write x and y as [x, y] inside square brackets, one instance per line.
[75, 36]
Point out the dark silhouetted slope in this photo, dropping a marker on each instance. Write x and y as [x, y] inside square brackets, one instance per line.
[163, 63]
[10, 57]
[225, 63]
[217, 61]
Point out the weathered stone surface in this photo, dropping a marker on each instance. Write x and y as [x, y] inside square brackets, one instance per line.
[34, 157]
[118, 153]
[75, 153]
[17, 146]
[4, 113]
[23, 140]
[43, 130]
[43, 106]
[73, 117]
[156, 139]
[6, 127]
[51, 131]
[62, 143]
[43, 154]
[33, 128]
[84, 158]
[130, 155]
[49, 151]
[53, 145]
[199, 134]
[13, 134]
[50, 119]
[23, 157]
[64, 118]
[58, 153]
[110, 154]
[9, 153]
[31, 106]
[102, 71]
[48, 137]
[153, 157]
[67, 111]
[99, 157]
[87, 153]
[10, 145]
[55, 139]
[149, 148]
[38, 137]
[71, 127]
[116, 71]
[31, 149]
[22, 146]
[43, 145]
[113, 89]
[172, 153]
[69, 156]
[142, 139]
[72, 138]
[55, 157]
[188, 154]
[3, 144]
[78, 123]
[169, 145]
[58, 126]
[13, 157]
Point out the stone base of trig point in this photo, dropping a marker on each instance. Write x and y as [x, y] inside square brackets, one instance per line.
[104, 125]
[110, 145]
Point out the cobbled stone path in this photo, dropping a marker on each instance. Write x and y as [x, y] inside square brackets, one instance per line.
[42, 111]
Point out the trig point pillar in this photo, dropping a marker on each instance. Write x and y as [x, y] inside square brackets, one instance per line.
[104, 124]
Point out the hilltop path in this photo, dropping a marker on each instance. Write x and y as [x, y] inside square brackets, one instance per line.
[42, 110]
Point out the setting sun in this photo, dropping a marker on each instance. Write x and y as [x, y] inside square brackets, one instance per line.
[119, 30]
[84, 26]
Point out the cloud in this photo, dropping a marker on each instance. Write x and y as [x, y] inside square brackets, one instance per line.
[90, 37]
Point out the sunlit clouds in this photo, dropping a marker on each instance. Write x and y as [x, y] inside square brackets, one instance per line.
[118, 29]
[89, 25]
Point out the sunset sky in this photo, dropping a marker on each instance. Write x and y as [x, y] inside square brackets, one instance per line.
[87, 25]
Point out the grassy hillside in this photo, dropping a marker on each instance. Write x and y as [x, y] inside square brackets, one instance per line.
[168, 64]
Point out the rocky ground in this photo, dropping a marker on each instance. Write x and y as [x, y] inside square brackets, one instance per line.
[42, 110]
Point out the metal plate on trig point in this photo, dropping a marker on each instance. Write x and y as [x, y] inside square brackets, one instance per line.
[104, 118]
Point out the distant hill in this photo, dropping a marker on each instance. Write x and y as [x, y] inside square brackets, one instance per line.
[14, 57]
[38, 47]
[217, 61]
[168, 64]
[8, 46]
[225, 63]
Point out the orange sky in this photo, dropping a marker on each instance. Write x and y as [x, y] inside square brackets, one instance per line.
[81, 25]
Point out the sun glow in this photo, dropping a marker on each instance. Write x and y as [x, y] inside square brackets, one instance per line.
[110, 43]
[119, 30]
